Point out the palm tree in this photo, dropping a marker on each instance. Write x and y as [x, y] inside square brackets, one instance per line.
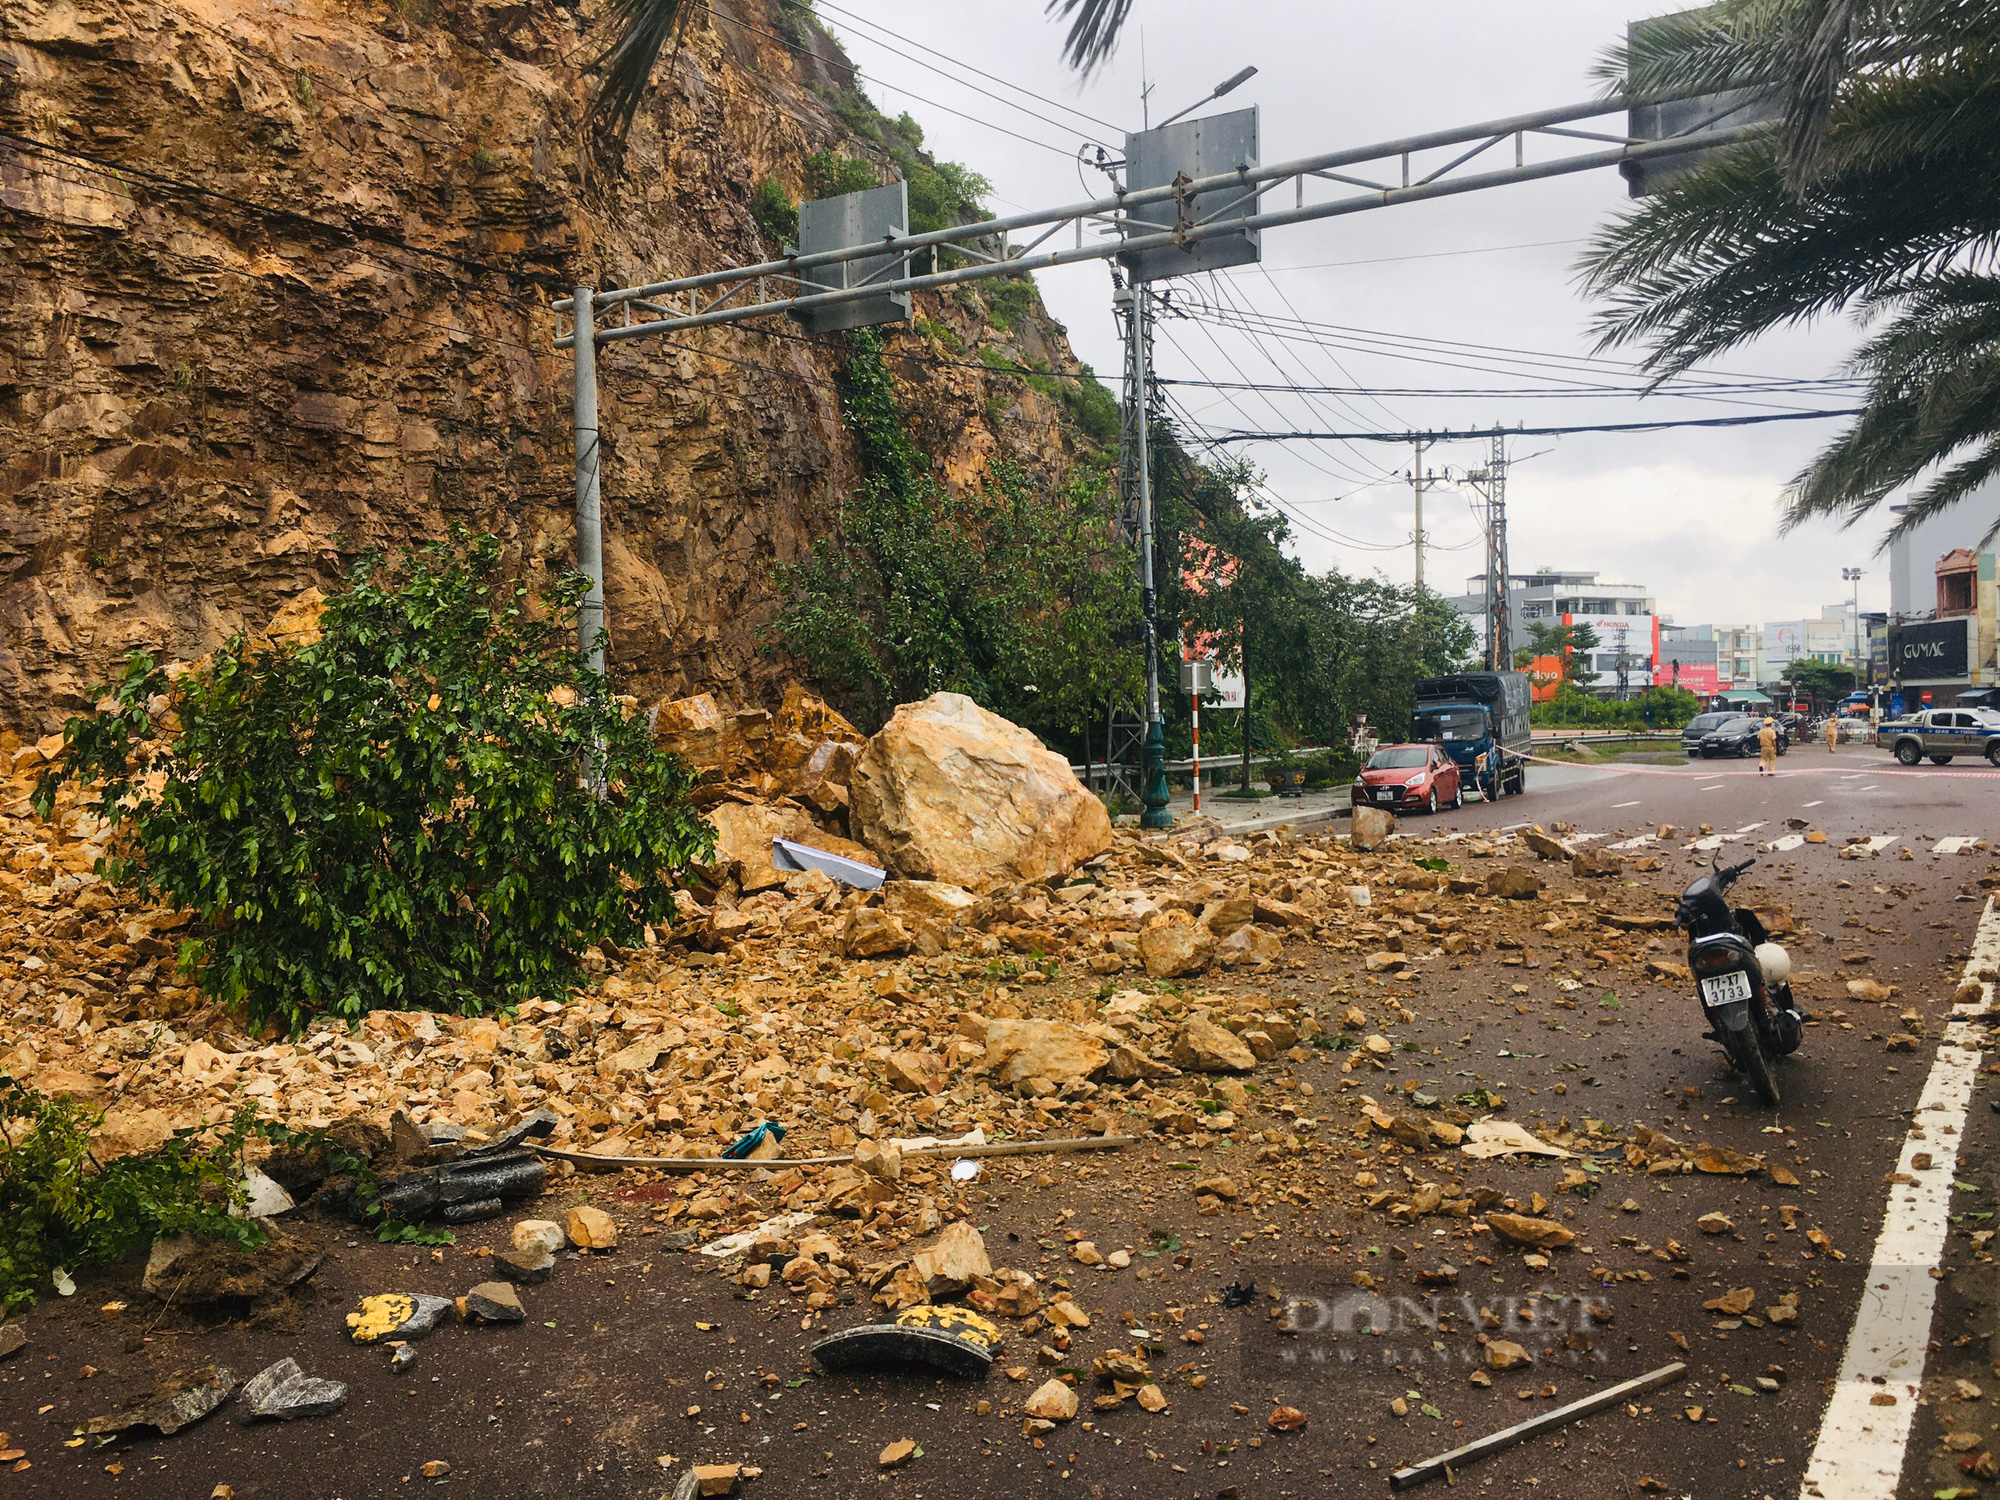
[1870, 196]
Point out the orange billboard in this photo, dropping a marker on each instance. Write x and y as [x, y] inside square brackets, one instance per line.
[1545, 675]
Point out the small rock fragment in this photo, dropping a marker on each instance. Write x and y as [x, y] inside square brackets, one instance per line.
[591, 1229]
[495, 1302]
[282, 1392]
[1053, 1401]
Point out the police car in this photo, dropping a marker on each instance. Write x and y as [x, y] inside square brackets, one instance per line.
[1942, 733]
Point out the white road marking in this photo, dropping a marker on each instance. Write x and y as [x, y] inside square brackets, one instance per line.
[1750, 827]
[1715, 788]
[1634, 843]
[1584, 838]
[1854, 775]
[1871, 786]
[1713, 841]
[1814, 803]
[1859, 1455]
[1878, 842]
[1617, 805]
[1786, 844]
[1956, 844]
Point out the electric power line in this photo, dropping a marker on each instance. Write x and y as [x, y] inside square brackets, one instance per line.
[966, 67]
[854, 72]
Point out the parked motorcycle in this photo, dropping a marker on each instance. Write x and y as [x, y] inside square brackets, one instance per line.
[1742, 978]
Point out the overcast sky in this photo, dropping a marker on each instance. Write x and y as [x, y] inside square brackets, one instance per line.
[1690, 514]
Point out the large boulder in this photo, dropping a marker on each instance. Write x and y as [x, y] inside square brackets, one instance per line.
[947, 791]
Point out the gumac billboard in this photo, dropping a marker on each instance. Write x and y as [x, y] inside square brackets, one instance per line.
[1932, 650]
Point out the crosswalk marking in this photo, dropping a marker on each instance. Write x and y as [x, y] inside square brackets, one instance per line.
[1956, 844]
[1786, 844]
[1634, 843]
[1814, 803]
[1878, 842]
[1750, 827]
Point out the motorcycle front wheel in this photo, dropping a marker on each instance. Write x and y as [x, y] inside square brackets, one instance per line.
[1748, 1055]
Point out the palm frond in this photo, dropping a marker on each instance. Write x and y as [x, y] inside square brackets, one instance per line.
[645, 28]
[1820, 54]
[1094, 29]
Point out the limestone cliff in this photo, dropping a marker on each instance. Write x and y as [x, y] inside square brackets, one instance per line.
[274, 280]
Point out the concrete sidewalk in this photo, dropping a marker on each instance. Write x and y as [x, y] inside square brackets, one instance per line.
[1309, 811]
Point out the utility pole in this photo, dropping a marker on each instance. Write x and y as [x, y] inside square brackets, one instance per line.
[1418, 483]
[1492, 480]
[1136, 300]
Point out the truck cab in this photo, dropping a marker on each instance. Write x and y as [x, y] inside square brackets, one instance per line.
[1480, 720]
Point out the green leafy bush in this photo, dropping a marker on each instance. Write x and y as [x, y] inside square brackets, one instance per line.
[1092, 407]
[1662, 708]
[400, 814]
[61, 1210]
[832, 173]
[775, 211]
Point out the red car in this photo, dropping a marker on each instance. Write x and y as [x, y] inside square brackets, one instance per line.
[1400, 777]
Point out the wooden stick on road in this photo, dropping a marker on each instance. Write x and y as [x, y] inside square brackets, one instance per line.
[1441, 1466]
[942, 1148]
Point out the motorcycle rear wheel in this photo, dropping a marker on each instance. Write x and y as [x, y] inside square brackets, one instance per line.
[1748, 1054]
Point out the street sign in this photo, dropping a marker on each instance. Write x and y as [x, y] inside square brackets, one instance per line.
[1197, 677]
[855, 219]
[1698, 120]
[1193, 149]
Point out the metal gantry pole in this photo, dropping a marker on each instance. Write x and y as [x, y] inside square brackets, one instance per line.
[1153, 773]
[589, 499]
[1496, 501]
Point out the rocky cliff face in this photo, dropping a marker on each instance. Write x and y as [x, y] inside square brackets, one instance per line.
[274, 278]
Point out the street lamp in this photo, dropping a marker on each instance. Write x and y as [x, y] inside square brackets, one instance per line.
[1234, 81]
[1853, 577]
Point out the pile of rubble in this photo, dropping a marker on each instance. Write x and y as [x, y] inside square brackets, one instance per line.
[1022, 971]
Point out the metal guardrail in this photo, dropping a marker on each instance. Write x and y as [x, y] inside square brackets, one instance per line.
[1218, 762]
[1660, 736]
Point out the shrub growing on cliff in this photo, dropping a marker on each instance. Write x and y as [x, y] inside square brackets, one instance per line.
[399, 814]
[1009, 593]
[775, 212]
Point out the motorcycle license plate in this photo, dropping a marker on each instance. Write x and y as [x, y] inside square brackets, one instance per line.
[1724, 988]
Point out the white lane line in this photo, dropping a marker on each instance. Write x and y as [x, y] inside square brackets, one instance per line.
[1870, 787]
[1634, 843]
[1617, 805]
[1814, 803]
[1715, 788]
[1956, 844]
[1859, 1455]
[1713, 841]
[1786, 844]
[1878, 842]
[1750, 827]
[1854, 775]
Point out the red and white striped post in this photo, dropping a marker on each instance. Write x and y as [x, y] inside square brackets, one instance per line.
[1197, 755]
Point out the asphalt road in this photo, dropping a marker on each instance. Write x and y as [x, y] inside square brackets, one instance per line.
[591, 1395]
